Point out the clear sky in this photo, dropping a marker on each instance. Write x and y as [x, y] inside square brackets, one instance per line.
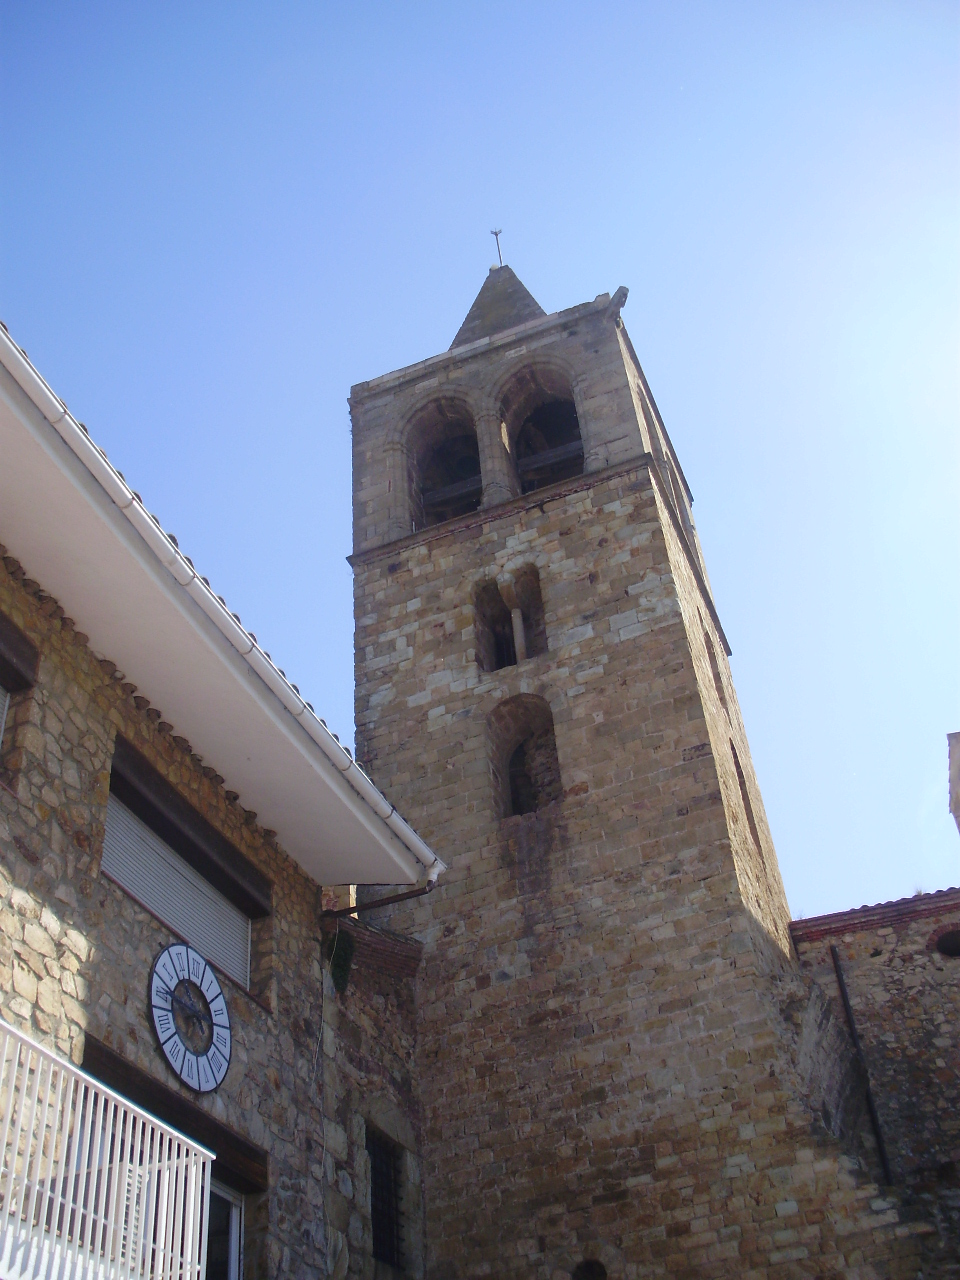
[217, 217]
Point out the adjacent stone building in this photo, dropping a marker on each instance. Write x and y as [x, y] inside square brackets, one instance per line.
[126, 686]
[624, 1067]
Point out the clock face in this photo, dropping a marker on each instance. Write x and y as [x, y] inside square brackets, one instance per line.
[190, 1017]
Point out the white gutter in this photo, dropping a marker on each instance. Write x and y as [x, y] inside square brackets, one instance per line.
[172, 558]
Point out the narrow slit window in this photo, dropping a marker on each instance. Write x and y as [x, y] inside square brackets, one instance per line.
[385, 1199]
[496, 645]
[715, 670]
[745, 796]
[19, 661]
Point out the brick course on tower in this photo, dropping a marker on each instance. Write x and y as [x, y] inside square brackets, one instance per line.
[610, 1011]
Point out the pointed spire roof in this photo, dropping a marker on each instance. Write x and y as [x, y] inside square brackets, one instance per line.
[502, 303]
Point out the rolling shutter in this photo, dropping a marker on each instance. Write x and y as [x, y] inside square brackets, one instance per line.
[150, 871]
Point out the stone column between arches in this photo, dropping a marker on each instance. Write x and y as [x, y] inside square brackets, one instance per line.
[400, 516]
[500, 482]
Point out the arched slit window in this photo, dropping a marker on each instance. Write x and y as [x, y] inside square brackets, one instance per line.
[747, 806]
[509, 621]
[496, 647]
[540, 416]
[526, 588]
[714, 663]
[525, 766]
[445, 480]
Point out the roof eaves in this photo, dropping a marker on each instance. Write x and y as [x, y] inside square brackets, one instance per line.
[77, 438]
[859, 919]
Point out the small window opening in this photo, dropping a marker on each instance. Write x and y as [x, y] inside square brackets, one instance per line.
[534, 772]
[19, 660]
[509, 621]
[527, 589]
[385, 1208]
[549, 447]
[948, 944]
[494, 630]
[526, 768]
[715, 669]
[589, 1269]
[745, 796]
[224, 1235]
[449, 480]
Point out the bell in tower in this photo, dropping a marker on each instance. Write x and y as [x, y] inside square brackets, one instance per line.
[604, 1073]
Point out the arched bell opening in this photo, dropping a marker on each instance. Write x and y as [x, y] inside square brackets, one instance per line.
[524, 765]
[444, 464]
[541, 422]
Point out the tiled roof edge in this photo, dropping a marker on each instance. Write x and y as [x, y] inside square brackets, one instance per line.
[883, 913]
[378, 949]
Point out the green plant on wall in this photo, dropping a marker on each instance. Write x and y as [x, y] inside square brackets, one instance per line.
[340, 950]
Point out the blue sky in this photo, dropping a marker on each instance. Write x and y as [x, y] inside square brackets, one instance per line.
[215, 218]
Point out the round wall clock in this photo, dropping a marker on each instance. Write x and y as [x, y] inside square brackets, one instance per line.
[190, 1017]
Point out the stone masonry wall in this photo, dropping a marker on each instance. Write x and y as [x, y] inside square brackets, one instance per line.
[606, 1052]
[76, 952]
[905, 999]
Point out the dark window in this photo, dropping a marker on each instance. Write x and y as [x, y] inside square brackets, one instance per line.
[523, 789]
[509, 621]
[224, 1235]
[745, 796]
[548, 446]
[715, 671]
[443, 463]
[494, 630]
[525, 766]
[948, 944]
[535, 772]
[527, 590]
[19, 658]
[589, 1270]
[385, 1213]
[450, 483]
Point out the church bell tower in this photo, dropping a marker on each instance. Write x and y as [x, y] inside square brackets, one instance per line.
[543, 690]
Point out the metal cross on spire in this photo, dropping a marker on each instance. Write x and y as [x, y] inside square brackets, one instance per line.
[496, 235]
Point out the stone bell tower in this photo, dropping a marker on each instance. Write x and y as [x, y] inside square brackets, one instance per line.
[607, 1082]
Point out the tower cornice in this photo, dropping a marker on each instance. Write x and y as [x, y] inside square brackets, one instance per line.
[531, 329]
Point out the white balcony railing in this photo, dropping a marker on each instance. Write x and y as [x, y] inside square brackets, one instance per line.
[90, 1185]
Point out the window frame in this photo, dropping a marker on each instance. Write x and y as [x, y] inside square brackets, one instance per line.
[124, 832]
[394, 1252]
[158, 804]
[235, 1200]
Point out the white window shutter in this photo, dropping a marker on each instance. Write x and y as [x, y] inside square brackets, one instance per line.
[153, 873]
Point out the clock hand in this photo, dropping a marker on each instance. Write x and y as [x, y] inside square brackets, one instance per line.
[187, 1005]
